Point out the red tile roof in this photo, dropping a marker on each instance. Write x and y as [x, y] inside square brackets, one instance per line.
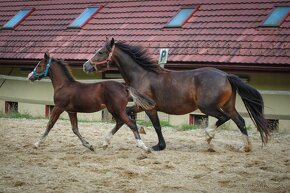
[221, 31]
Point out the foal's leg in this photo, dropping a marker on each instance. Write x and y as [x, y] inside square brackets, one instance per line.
[74, 123]
[56, 111]
[153, 116]
[110, 134]
[133, 110]
[132, 125]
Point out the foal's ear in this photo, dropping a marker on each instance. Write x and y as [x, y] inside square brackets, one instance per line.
[112, 42]
[46, 55]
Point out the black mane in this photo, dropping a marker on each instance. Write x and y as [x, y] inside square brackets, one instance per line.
[65, 68]
[140, 56]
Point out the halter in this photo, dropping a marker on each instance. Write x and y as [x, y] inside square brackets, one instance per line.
[44, 73]
[106, 61]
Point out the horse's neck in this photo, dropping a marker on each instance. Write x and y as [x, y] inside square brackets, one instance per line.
[129, 69]
[58, 77]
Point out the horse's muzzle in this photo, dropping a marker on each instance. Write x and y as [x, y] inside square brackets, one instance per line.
[88, 67]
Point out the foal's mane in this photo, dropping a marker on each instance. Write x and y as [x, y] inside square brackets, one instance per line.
[140, 55]
[65, 68]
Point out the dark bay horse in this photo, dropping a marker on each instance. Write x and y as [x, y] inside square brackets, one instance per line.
[181, 92]
[72, 96]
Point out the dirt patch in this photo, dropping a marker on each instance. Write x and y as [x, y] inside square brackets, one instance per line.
[62, 164]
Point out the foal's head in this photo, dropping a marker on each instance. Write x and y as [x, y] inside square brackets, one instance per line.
[41, 69]
[102, 58]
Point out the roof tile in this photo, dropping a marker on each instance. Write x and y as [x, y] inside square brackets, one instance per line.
[220, 31]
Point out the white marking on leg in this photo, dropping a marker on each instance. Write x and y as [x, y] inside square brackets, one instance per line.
[210, 131]
[141, 144]
[248, 144]
[107, 139]
[37, 144]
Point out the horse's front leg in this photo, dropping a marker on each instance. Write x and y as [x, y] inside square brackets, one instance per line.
[153, 116]
[55, 113]
[74, 123]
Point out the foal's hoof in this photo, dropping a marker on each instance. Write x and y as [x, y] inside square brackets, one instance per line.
[36, 145]
[92, 148]
[158, 147]
[105, 146]
[142, 130]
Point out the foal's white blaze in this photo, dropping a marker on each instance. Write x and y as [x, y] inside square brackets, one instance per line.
[141, 144]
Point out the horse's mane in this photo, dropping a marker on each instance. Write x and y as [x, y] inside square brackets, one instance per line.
[140, 55]
[65, 68]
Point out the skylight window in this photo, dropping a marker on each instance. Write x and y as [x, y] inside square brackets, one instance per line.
[181, 17]
[17, 19]
[277, 16]
[84, 17]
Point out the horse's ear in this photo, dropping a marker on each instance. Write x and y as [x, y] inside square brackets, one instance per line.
[112, 42]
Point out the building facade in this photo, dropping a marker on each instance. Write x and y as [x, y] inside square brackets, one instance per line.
[249, 38]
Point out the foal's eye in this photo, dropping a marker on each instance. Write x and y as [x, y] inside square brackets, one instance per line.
[100, 53]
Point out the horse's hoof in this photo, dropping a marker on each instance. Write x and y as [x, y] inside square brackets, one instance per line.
[158, 147]
[148, 150]
[210, 149]
[209, 140]
[247, 149]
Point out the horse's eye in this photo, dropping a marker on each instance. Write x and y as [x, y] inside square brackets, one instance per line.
[100, 52]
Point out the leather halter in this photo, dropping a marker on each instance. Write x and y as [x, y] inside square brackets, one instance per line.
[106, 61]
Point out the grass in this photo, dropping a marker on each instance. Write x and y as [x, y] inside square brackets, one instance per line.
[17, 115]
[149, 124]
[186, 127]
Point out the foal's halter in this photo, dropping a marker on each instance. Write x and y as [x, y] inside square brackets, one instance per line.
[44, 73]
[106, 61]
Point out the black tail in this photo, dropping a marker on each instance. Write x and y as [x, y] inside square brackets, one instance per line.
[254, 104]
[143, 101]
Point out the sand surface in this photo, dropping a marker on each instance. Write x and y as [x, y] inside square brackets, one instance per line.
[62, 164]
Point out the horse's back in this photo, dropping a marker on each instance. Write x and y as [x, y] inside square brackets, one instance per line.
[212, 87]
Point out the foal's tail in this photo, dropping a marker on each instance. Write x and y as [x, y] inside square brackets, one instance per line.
[143, 101]
[254, 104]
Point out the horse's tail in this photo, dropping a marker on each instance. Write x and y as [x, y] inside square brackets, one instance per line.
[143, 101]
[254, 104]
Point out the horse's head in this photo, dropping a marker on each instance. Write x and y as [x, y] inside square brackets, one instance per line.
[41, 69]
[102, 58]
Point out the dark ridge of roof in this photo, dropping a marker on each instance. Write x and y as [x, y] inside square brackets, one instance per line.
[221, 31]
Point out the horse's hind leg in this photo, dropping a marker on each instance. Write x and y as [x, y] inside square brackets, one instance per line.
[55, 113]
[110, 134]
[217, 113]
[240, 122]
[74, 123]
